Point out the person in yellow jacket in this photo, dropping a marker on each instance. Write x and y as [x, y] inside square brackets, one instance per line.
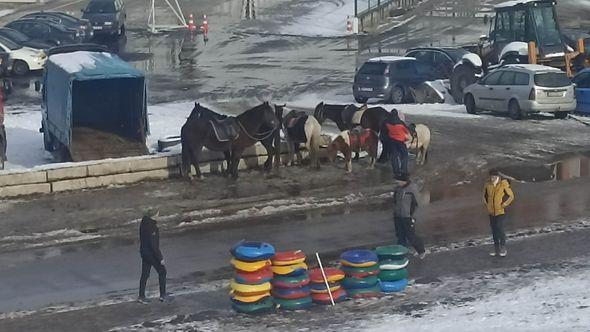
[497, 196]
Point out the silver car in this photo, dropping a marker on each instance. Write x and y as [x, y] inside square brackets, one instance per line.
[522, 89]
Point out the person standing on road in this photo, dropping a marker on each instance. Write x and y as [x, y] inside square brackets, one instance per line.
[149, 249]
[395, 138]
[497, 196]
[405, 205]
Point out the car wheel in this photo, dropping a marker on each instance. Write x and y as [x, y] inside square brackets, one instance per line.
[514, 110]
[560, 115]
[397, 95]
[470, 104]
[361, 100]
[462, 76]
[20, 67]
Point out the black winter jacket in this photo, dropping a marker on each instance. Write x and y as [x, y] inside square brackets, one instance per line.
[149, 238]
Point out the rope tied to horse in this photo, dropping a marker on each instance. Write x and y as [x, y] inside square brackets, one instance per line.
[266, 133]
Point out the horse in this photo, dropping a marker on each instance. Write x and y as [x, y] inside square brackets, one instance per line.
[202, 130]
[354, 140]
[346, 117]
[419, 142]
[302, 128]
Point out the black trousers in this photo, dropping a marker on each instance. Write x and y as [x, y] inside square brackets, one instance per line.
[497, 225]
[399, 158]
[146, 266]
[405, 230]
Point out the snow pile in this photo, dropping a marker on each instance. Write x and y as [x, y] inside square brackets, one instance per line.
[76, 61]
[326, 19]
[5, 12]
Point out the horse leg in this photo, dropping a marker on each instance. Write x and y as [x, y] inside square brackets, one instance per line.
[227, 154]
[297, 148]
[195, 156]
[290, 151]
[236, 156]
[348, 158]
[186, 164]
[270, 153]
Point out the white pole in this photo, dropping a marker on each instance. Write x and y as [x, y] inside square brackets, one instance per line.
[153, 16]
[325, 279]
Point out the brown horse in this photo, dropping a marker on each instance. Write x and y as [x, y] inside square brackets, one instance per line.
[349, 141]
[256, 124]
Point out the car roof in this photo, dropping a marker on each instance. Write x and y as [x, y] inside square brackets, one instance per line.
[52, 23]
[390, 58]
[532, 68]
[442, 48]
[517, 2]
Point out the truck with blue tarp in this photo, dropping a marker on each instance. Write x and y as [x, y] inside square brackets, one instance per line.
[94, 105]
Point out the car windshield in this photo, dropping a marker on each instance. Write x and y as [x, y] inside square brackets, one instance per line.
[552, 80]
[373, 68]
[101, 7]
[14, 35]
[9, 44]
[456, 54]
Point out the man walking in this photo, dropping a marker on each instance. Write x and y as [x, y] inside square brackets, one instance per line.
[394, 142]
[405, 205]
[149, 248]
[497, 196]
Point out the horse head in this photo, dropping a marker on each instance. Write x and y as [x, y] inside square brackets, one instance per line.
[264, 114]
[195, 113]
[318, 113]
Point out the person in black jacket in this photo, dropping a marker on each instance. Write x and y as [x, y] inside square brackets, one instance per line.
[405, 205]
[149, 248]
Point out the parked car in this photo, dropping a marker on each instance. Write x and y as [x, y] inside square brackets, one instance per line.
[4, 62]
[522, 89]
[582, 82]
[106, 16]
[24, 59]
[387, 77]
[47, 31]
[438, 62]
[22, 39]
[82, 26]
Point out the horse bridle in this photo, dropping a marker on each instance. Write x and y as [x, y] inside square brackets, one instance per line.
[266, 133]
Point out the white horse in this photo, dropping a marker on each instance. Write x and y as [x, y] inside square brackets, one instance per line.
[302, 128]
[420, 143]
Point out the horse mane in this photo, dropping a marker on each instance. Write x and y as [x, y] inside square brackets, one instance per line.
[254, 109]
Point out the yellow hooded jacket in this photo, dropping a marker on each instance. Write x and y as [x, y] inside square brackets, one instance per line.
[494, 197]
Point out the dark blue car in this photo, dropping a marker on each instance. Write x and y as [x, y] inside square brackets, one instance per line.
[582, 81]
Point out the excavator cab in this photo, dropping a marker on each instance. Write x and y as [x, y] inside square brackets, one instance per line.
[516, 24]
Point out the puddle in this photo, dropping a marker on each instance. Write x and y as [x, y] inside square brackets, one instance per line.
[572, 167]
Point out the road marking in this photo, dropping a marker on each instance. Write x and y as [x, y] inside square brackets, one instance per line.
[67, 4]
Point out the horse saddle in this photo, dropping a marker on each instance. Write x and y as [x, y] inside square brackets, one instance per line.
[347, 114]
[225, 129]
[358, 136]
[296, 127]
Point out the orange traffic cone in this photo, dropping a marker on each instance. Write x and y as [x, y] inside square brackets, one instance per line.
[205, 25]
[191, 23]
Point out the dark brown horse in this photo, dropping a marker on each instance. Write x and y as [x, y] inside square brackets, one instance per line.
[256, 124]
[342, 115]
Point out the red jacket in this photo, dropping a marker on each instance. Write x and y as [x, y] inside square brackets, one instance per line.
[397, 132]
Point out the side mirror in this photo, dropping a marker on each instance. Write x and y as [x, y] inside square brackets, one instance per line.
[37, 86]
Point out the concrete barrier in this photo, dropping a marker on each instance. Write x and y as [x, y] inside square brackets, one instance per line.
[104, 173]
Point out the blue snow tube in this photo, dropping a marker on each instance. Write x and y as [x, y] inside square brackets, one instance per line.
[359, 256]
[393, 286]
[250, 251]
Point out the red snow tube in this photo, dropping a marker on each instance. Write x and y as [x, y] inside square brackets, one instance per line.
[288, 258]
[324, 298]
[332, 274]
[254, 278]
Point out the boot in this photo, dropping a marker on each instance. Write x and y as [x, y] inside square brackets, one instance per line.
[503, 251]
[496, 251]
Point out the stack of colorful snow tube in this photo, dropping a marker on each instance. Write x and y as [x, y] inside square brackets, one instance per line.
[393, 275]
[319, 290]
[251, 287]
[290, 285]
[361, 268]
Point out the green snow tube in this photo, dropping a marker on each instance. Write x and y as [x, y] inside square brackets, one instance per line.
[361, 272]
[394, 252]
[393, 275]
[253, 308]
[363, 293]
[294, 304]
[356, 283]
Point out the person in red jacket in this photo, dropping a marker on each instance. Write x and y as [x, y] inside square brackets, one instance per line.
[395, 138]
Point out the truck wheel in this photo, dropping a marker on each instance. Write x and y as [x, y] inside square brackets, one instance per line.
[20, 67]
[463, 76]
[560, 115]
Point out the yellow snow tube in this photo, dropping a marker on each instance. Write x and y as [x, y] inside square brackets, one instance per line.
[283, 270]
[250, 299]
[249, 266]
[249, 288]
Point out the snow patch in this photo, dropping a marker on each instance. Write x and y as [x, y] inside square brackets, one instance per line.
[326, 19]
[5, 12]
[76, 61]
